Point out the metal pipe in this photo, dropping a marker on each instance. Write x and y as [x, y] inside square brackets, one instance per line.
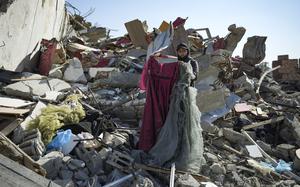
[121, 180]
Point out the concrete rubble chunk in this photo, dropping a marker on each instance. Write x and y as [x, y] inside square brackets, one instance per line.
[137, 33]
[137, 53]
[81, 175]
[254, 50]
[81, 183]
[234, 37]
[218, 168]
[234, 94]
[234, 136]
[117, 80]
[92, 160]
[65, 183]
[209, 157]
[28, 89]
[74, 72]
[284, 151]
[98, 73]
[52, 162]
[210, 100]
[65, 174]
[75, 164]
[56, 73]
[186, 181]
[142, 181]
[94, 181]
[67, 159]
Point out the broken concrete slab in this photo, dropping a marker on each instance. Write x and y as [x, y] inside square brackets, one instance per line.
[52, 162]
[93, 34]
[74, 72]
[98, 73]
[52, 96]
[30, 88]
[117, 80]
[75, 47]
[254, 50]
[137, 33]
[234, 37]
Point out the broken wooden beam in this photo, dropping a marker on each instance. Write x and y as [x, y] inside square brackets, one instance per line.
[266, 122]
[9, 125]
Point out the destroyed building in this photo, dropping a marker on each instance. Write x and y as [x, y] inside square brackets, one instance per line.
[72, 105]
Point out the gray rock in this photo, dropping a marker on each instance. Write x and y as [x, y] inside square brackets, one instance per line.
[234, 137]
[28, 89]
[115, 175]
[210, 157]
[81, 183]
[217, 168]
[97, 72]
[266, 147]
[81, 175]
[142, 181]
[94, 182]
[292, 130]
[234, 37]
[118, 80]
[104, 152]
[74, 72]
[76, 164]
[56, 73]
[65, 174]
[64, 183]
[66, 159]
[231, 167]
[284, 150]
[52, 162]
[186, 181]
[92, 160]
[137, 53]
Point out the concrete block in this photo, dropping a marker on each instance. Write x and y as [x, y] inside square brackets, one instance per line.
[74, 72]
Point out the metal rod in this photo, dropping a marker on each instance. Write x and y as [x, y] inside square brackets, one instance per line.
[172, 175]
[121, 180]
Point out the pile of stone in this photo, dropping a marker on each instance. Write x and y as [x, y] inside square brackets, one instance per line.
[250, 122]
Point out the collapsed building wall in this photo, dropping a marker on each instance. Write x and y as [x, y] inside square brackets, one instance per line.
[23, 25]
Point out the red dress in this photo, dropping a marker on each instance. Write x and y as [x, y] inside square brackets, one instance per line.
[158, 80]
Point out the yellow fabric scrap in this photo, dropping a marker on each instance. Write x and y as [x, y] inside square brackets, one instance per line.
[54, 117]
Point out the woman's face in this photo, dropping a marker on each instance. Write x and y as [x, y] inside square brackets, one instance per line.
[182, 52]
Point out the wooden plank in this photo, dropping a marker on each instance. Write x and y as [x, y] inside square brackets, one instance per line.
[137, 33]
[14, 103]
[269, 121]
[7, 128]
[13, 111]
[14, 174]
[11, 150]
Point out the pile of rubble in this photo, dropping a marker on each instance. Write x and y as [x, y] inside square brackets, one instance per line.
[76, 120]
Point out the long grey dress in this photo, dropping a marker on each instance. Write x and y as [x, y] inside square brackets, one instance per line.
[180, 139]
